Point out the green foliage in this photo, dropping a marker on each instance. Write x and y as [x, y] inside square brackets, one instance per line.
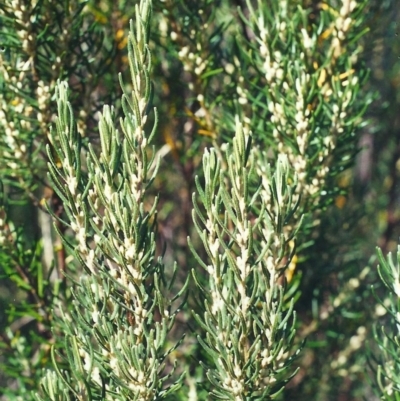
[24, 342]
[120, 304]
[248, 330]
[256, 125]
[42, 42]
[387, 363]
[302, 91]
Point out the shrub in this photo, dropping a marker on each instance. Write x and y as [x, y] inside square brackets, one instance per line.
[223, 143]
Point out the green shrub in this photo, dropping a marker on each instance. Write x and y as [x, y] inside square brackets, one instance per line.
[190, 196]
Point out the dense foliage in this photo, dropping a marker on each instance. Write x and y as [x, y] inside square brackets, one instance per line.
[191, 197]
